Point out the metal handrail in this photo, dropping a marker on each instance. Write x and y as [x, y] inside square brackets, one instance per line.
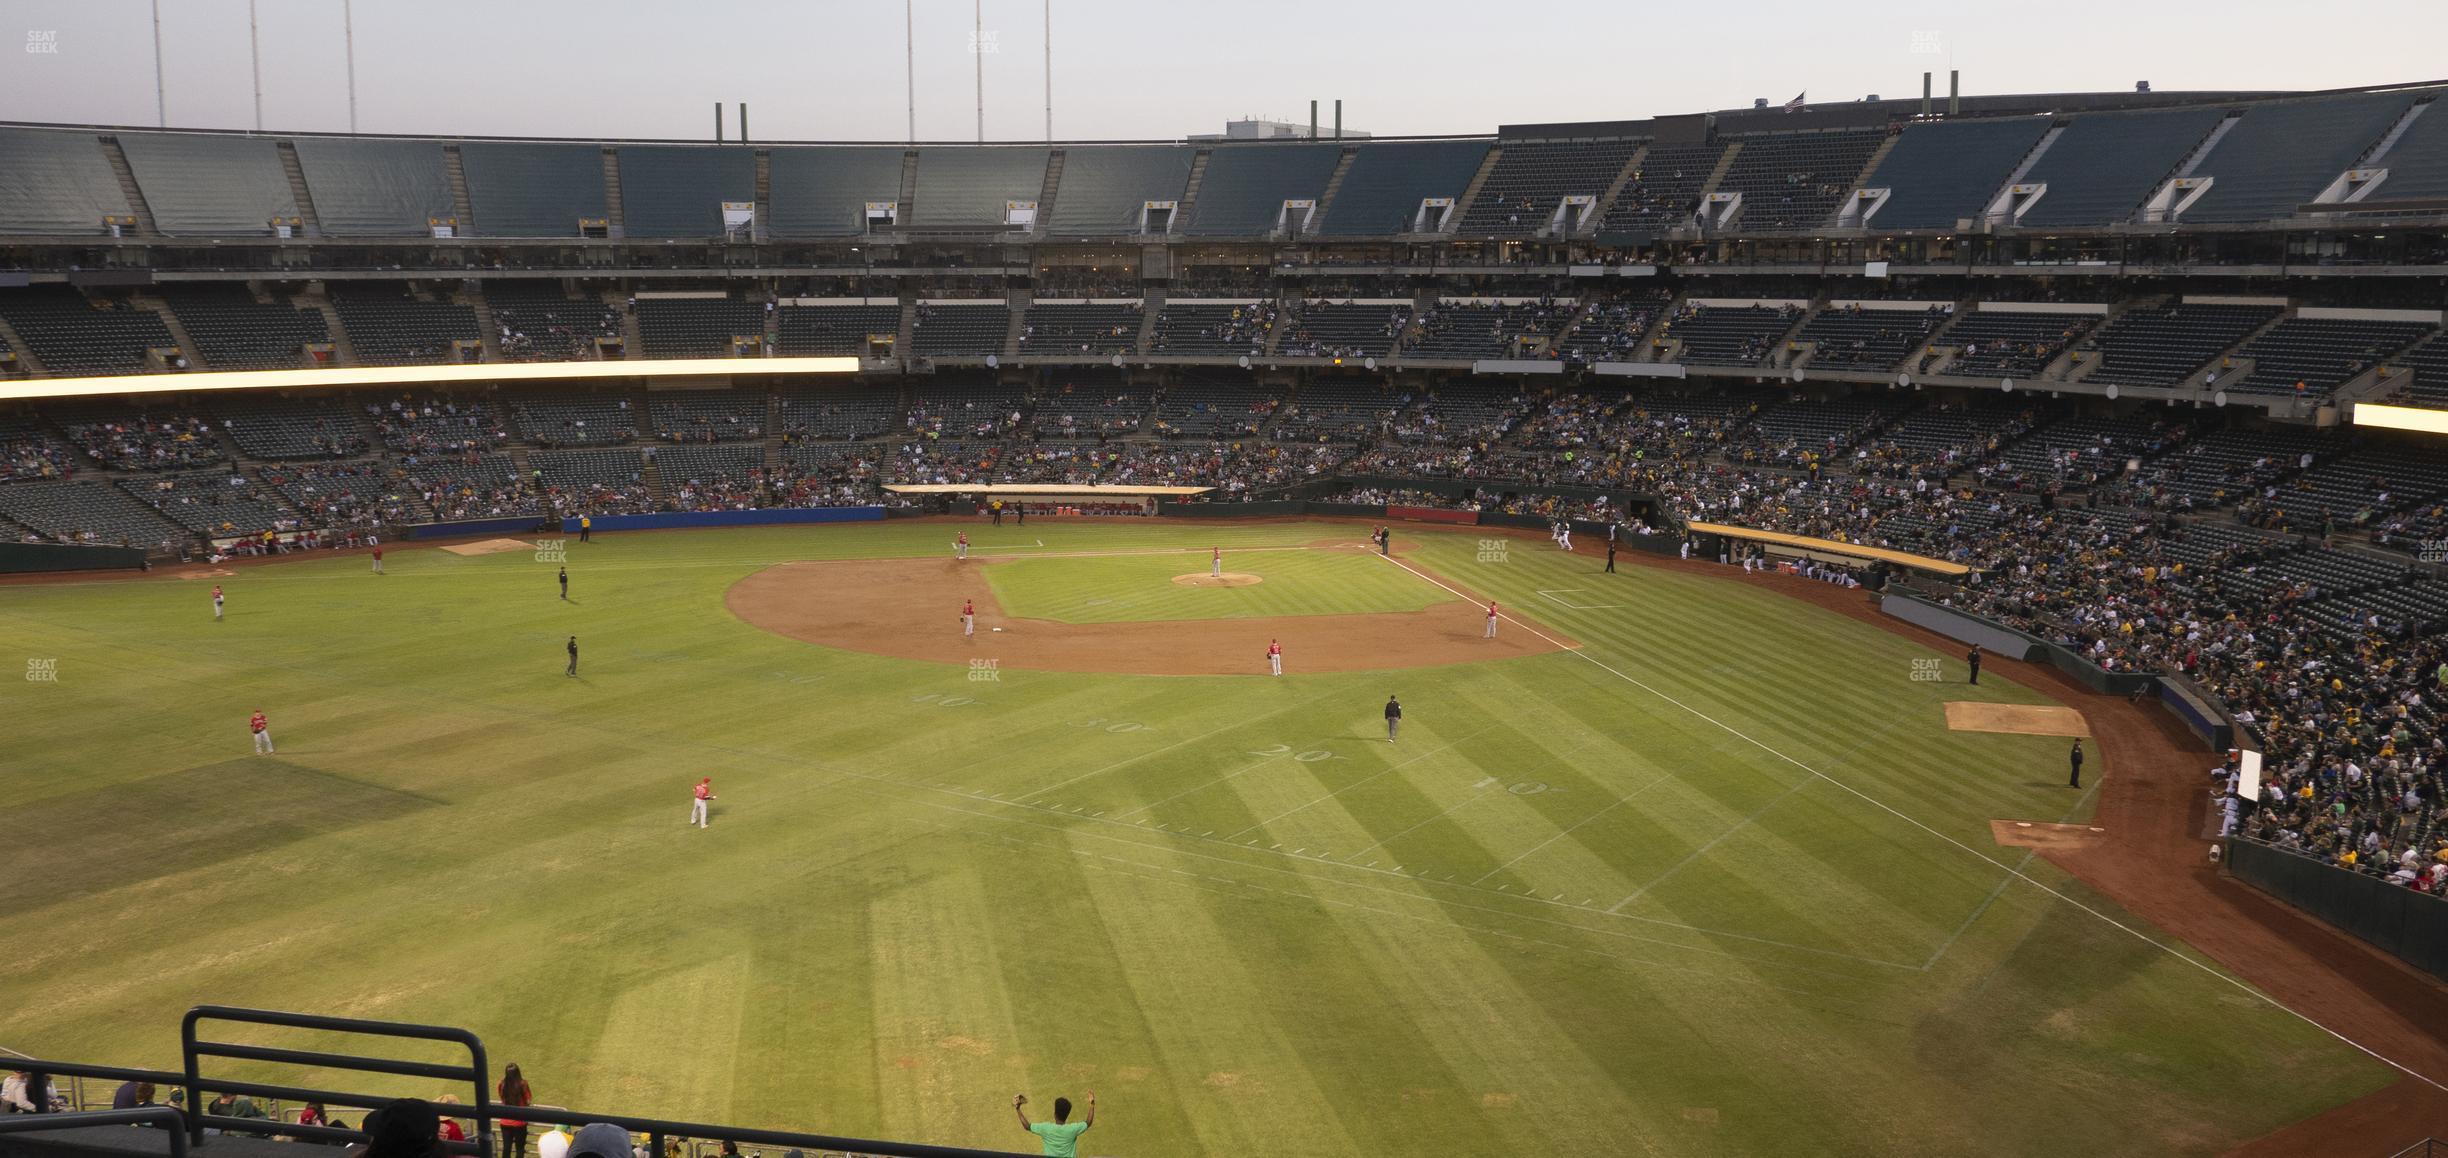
[173, 1123]
[193, 1051]
[483, 1111]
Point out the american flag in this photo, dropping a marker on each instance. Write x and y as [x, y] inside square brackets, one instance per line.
[1796, 102]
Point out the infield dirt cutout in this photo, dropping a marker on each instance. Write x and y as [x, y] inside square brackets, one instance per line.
[910, 609]
[490, 547]
[2021, 719]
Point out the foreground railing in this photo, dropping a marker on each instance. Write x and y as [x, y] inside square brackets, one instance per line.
[173, 1124]
[474, 1074]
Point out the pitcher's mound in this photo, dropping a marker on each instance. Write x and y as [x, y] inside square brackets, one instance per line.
[1227, 579]
[2022, 719]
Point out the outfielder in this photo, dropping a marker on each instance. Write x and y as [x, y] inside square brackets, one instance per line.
[960, 546]
[1215, 564]
[1491, 628]
[697, 806]
[1275, 657]
[1564, 535]
[263, 733]
[378, 559]
[216, 601]
[969, 617]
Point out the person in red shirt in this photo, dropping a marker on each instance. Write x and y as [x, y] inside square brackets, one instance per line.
[697, 806]
[1275, 656]
[449, 1130]
[1491, 628]
[216, 601]
[960, 546]
[378, 560]
[1215, 563]
[263, 732]
[968, 617]
[513, 1091]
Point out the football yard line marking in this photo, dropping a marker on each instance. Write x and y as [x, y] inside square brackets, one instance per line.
[2013, 871]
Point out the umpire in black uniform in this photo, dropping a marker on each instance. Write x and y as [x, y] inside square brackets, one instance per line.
[573, 650]
[2074, 759]
[1972, 658]
[1393, 716]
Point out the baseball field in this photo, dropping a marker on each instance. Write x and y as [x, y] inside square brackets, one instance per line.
[1675, 865]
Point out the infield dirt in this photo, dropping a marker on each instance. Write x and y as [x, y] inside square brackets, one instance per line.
[910, 609]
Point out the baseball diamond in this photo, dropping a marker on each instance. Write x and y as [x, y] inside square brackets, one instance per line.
[1710, 820]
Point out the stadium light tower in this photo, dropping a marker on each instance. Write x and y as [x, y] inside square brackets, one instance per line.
[161, 106]
[255, 62]
[348, 45]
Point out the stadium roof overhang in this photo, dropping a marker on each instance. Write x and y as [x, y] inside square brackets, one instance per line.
[474, 373]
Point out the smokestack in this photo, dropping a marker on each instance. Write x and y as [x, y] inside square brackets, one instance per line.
[1925, 93]
[718, 129]
[1312, 120]
[743, 122]
[1338, 118]
[1954, 86]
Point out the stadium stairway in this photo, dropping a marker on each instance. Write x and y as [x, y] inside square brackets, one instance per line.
[461, 206]
[488, 330]
[1716, 177]
[127, 186]
[1019, 301]
[1189, 202]
[1325, 205]
[2070, 364]
[170, 321]
[1878, 156]
[2231, 365]
[309, 225]
[1152, 300]
[344, 350]
[1470, 195]
[1046, 193]
[908, 327]
[616, 221]
[909, 193]
[764, 194]
[26, 361]
[1614, 189]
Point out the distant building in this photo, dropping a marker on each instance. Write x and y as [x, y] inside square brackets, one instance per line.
[1253, 129]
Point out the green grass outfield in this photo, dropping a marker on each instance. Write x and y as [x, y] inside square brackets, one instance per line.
[1140, 588]
[1689, 890]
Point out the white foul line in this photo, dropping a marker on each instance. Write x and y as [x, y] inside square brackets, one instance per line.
[2012, 870]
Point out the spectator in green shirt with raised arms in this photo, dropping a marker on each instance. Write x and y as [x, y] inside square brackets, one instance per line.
[1060, 1136]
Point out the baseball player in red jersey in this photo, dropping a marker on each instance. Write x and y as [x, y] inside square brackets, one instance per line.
[216, 601]
[1491, 631]
[968, 617]
[697, 807]
[1215, 563]
[1275, 657]
[262, 730]
[960, 546]
[378, 560]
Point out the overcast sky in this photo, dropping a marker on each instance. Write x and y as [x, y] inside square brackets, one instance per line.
[834, 69]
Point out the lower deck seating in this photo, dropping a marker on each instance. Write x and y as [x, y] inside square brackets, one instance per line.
[214, 502]
[819, 412]
[574, 419]
[93, 512]
[707, 415]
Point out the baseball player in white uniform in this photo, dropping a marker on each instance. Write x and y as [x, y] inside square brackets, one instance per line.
[1564, 535]
[960, 546]
[697, 802]
[1215, 564]
[216, 601]
[1491, 628]
[969, 618]
[1275, 657]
